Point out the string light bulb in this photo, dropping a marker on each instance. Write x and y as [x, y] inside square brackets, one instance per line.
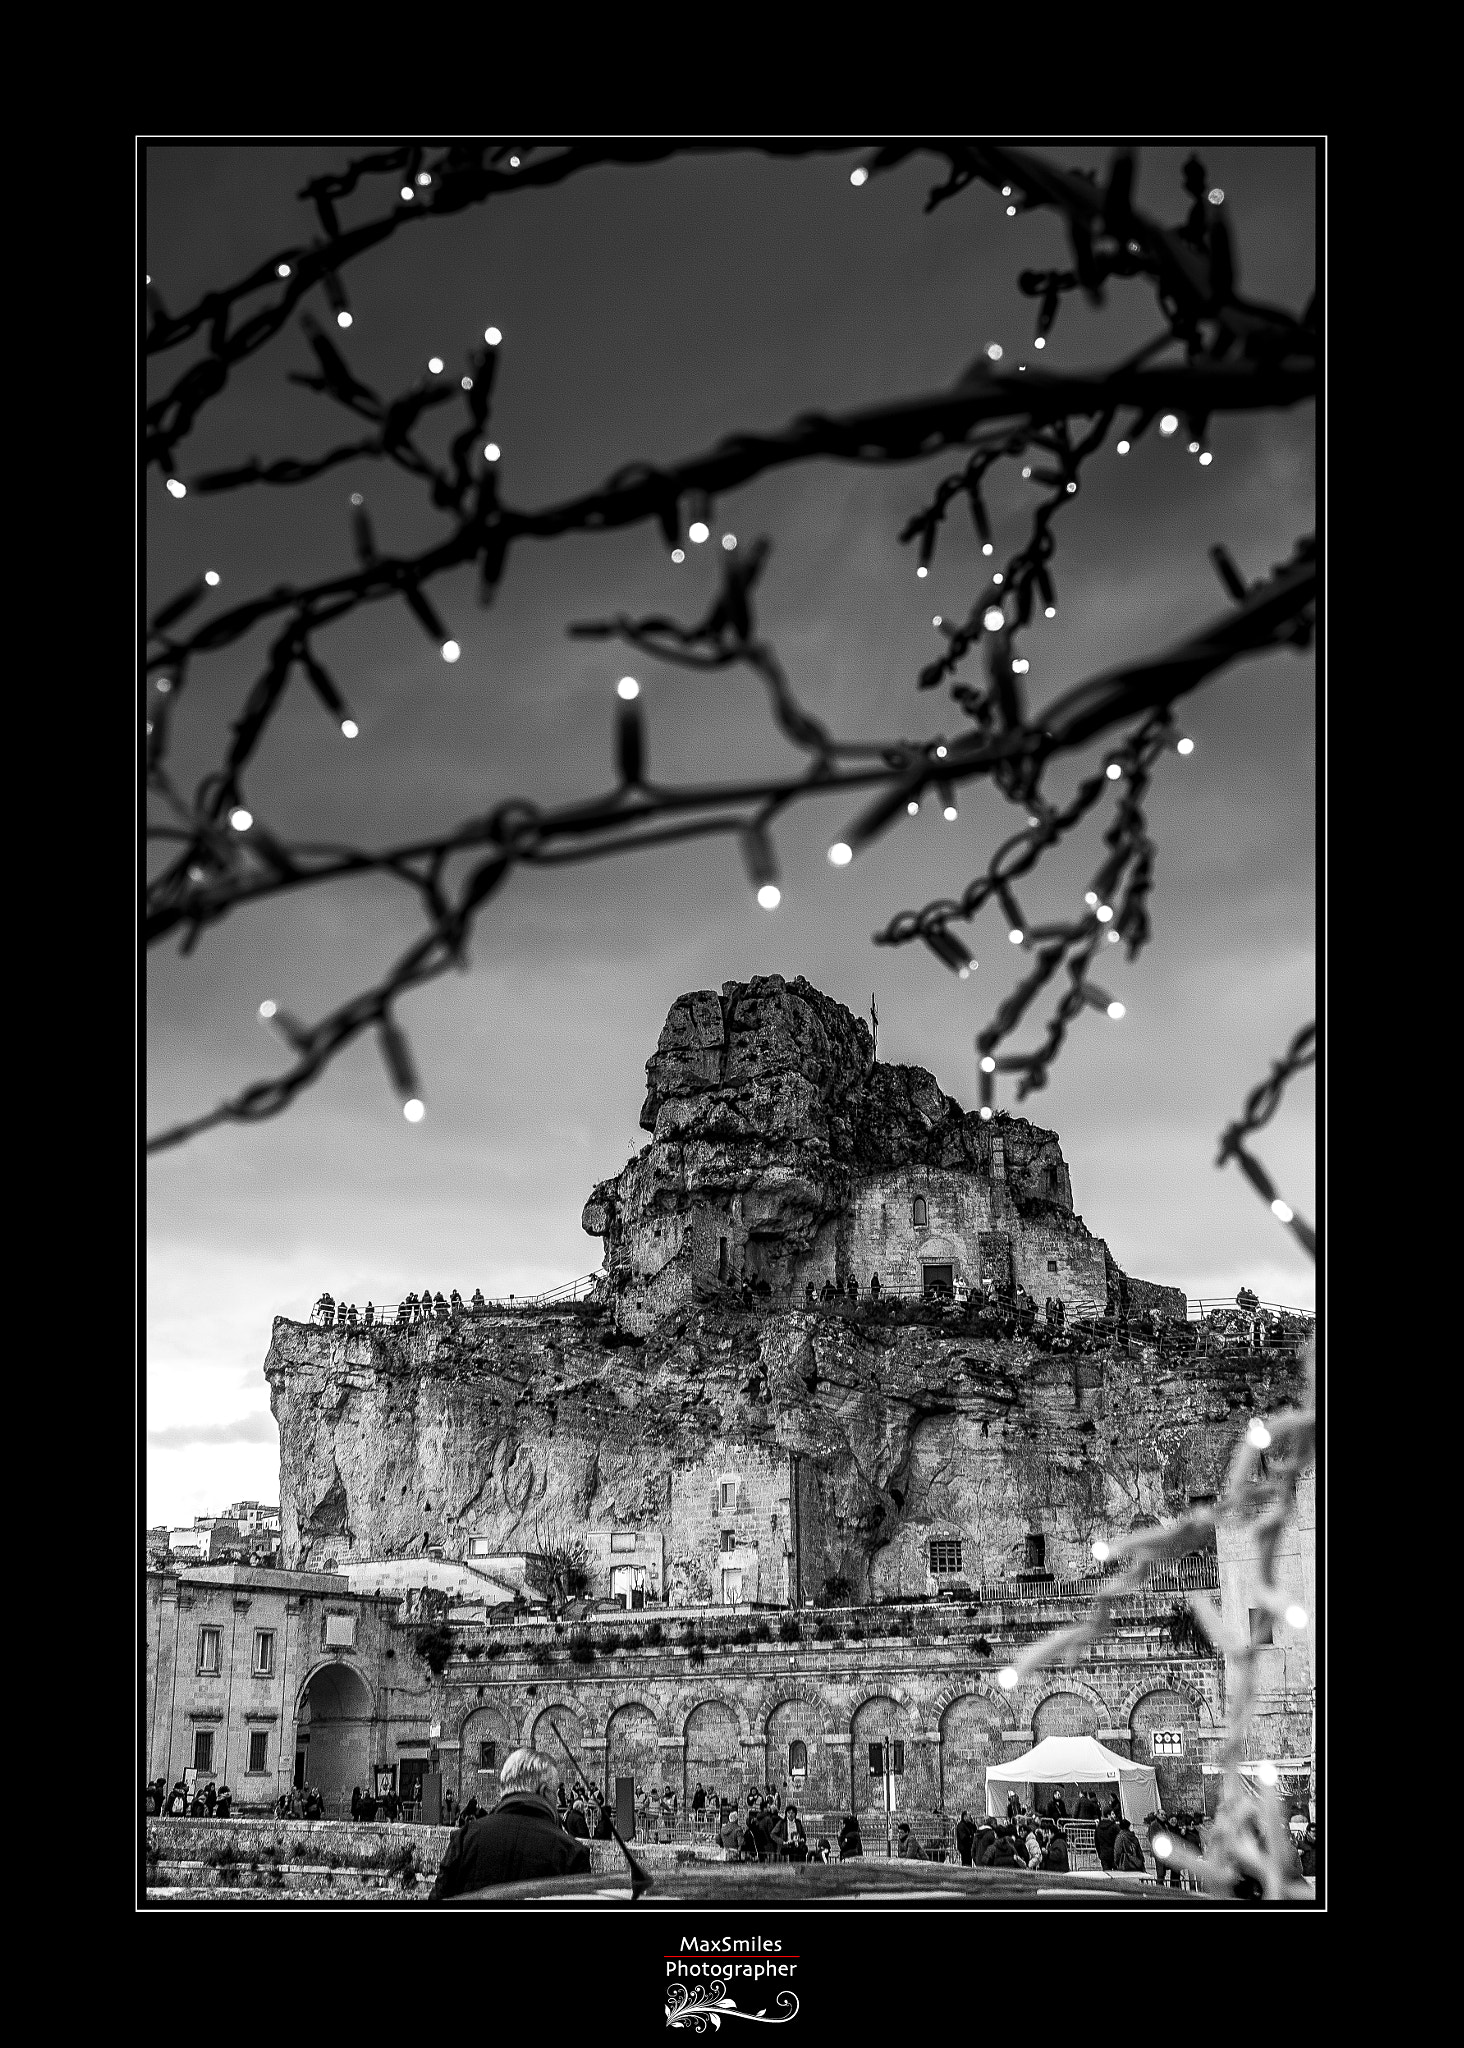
[491, 451]
[627, 688]
[998, 577]
[1194, 447]
[994, 351]
[1282, 1211]
[949, 814]
[1040, 342]
[1006, 1678]
[177, 489]
[267, 1009]
[1072, 489]
[1206, 459]
[986, 547]
[729, 541]
[1295, 1615]
[414, 1110]
[1091, 900]
[859, 177]
[994, 619]
[1015, 937]
[1258, 1436]
[407, 192]
[467, 383]
[450, 650]
[434, 364]
[343, 318]
[769, 895]
[1028, 470]
[1169, 424]
[936, 620]
[350, 728]
[163, 686]
[1049, 611]
[1101, 1551]
[282, 270]
[1021, 665]
[698, 531]
[492, 336]
[988, 1064]
[424, 177]
[922, 570]
[241, 819]
[1113, 771]
[985, 1116]
[940, 753]
[1123, 447]
[211, 578]
[513, 163]
[840, 854]
[1268, 1774]
[913, 807]
[678, 554]
[1215, 196]
[1116, 1010]
[1006, 191]
[1185, 746]
[1162, 1846]
[1113, 938]
[1011, 210]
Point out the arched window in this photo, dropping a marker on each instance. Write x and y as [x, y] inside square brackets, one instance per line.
[918, 1213]
[797, 1759]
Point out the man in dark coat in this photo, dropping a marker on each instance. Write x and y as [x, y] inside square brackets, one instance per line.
[965, 1837]
[983, 1848]
[1055, 1855]
[910, 1845]
[1087, 1806]
[1127, 1855]
[521, 1838]
[850, 1843]
[1105, 1834]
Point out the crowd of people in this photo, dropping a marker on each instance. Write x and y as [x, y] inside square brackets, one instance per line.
[205, 1802]
[417, 1308]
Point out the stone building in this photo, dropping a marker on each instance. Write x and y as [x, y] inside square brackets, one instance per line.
[711, 1465]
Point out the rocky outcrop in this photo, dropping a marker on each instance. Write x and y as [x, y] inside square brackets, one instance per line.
[395, 1442]
[782, 1151]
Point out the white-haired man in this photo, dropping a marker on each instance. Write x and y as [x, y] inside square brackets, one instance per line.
[521, 1838]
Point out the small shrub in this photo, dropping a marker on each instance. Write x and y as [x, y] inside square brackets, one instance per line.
[762, 1633]
[542, 1654]
[837, 1592]
[742, 1637]
[981, 1648]
[581, 1648]
[474, 1652]
[494, 1649]
[221, 1856]
[825, 1632]
[436, 1645]
[685, 1856]
[654, 1634]
[610, 1641]
[696, 1654]
[789, 1631]
[856, 1634]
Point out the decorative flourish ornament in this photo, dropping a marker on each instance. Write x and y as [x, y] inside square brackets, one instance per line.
[700, 2007]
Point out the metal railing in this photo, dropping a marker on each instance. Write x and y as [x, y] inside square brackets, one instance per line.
[403, 1315]
[1199, 1311]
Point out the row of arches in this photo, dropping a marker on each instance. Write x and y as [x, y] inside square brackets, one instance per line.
[941, 1757]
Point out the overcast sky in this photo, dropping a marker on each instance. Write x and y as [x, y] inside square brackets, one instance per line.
[644, 314]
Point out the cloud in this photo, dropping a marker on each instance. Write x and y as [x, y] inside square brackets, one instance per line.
[249, 1429]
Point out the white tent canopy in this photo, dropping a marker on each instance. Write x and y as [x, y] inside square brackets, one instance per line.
[1074, 1760]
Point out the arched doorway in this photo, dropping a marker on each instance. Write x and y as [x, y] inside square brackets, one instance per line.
[333, 1735]
[1166, 1727]
[631, 1751]
[970, 1739]
[713, 1751]
[486, 1741]
[914, 1789]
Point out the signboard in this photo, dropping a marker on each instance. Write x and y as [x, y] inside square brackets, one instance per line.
[384, 1783]
[1166, 1742]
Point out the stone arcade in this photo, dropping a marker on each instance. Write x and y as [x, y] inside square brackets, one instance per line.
[804, 1529]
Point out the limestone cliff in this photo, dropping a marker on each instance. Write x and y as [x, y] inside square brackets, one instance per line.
[394, 1442]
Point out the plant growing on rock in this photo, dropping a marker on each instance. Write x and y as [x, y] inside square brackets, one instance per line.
[436, 1645]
